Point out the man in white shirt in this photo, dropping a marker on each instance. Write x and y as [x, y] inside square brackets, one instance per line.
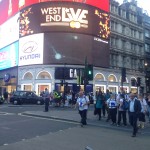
[82, 103]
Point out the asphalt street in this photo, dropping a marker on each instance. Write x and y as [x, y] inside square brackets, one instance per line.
[41, 131]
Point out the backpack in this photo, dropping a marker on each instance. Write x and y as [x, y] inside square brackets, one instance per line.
[125, 105]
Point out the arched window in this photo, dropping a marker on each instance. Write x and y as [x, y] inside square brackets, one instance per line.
[112, 78]
[28, 76]
[44, 75]
[100, 77]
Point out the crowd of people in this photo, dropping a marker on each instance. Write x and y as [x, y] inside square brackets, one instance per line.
[122, 107]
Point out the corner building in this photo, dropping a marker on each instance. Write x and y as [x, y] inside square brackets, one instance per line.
[57, 36]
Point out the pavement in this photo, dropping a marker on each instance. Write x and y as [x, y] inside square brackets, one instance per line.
[93, 137]
[72, 115]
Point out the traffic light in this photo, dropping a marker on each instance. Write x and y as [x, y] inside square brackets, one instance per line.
[89, 72]
[123, 74]
[138, 81]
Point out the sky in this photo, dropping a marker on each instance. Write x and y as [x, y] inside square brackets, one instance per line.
[145, 4]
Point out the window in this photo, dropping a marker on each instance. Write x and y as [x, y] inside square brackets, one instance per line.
[28, 76]
[99, 77]
[123, 13]
[123, 44]
[123, 29]
[44, 75]
[147, 48]
[147, 34]
[112, 78]
[112, 25]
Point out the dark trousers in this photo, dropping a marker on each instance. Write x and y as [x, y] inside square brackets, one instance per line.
[98, 112]
[46, 104]
[122, 115]
[104, 108]
[113, 113]
[83, 114]
[133, 121]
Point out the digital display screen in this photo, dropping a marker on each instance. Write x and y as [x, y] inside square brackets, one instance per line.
[10, 7]
[9, 31]
[9, 56]
[64, 17]
[31, 49]
[72, 48]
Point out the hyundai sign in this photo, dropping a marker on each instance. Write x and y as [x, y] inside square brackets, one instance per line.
[31, 49]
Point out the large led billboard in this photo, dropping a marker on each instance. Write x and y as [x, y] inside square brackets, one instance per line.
[9, 31]
[72, 48]
[64, 17]
[31, 49]
[9, 56]
[10, 7]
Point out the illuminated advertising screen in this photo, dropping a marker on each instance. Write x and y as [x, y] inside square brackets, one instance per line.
[9, 31]
[10, 7]
[9, 56]
[64, 17]
[31, 49]
[72, 48]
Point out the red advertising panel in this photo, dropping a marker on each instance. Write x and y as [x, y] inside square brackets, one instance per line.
[10, 7]
[64, 17]
[7, 9]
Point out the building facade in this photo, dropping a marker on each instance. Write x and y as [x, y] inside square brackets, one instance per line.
[61, 47]
[147, 50]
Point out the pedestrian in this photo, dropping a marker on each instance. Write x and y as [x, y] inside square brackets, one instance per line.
[148, 107]
[121, 111]
[134, 110]
[112, 106]
[47, 99]
[82, 103]
[104, 107]
[98, 104]
[143, 111]
[6, 96]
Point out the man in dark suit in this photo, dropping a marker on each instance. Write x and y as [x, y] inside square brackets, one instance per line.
[134, 110]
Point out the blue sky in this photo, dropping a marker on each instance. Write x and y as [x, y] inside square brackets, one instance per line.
[145, 4]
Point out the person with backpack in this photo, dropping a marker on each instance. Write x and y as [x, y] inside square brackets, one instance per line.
[122, 110]
[82, 103]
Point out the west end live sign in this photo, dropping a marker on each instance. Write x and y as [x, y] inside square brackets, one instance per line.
[65, 16]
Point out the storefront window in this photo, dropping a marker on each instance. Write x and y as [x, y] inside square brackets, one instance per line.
[28, 87]
[100, 77]
[28, 76]
[113, 89]
[44, 75]
[101, 87]
[112, 78]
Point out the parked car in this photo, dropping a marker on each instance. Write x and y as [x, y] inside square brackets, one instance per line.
[26, 97]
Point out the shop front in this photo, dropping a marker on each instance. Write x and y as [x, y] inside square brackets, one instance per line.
[8, 80]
